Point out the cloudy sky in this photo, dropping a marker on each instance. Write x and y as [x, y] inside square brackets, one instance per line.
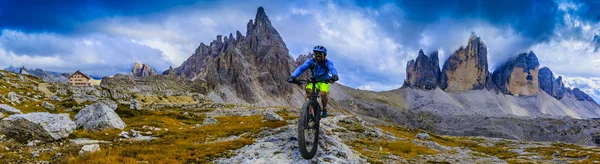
[369, 42]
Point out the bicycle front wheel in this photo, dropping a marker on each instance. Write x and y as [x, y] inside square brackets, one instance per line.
[308, 129]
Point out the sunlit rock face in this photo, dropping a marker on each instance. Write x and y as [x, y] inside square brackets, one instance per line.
[518, 76]
[467, 68]
[424, 72]
[141, 69]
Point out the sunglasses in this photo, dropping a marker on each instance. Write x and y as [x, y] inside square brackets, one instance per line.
[319, 53]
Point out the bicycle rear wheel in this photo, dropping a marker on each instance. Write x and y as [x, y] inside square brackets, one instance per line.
[308, 129]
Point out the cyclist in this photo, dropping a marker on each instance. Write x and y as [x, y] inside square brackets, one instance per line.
[321, 69]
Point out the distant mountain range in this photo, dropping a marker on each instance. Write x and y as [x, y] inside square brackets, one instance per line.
[518, 100]
[47, 76]
[590, 85]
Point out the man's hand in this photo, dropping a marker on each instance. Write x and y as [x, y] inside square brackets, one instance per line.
[291, 80]
[334, 78]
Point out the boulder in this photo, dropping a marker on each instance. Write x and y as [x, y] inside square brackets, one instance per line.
[467, 68]
[55, 98]
[124, 134]
[10, 110]
[111, 104]
[14, 97]
[89, 149]
[78, 98]
[37, 126]
[81, 98]
[424, 72]
[210, 121]
[423, 136]
[48, 105]
[135, 104]
[33, 143]
[519, 75]
[272, 116]
[98, 117]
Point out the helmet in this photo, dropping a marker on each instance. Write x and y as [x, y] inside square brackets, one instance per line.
[320, 48]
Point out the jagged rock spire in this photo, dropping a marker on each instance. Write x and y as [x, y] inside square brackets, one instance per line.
[518, 76]
[424, 72]
[466, 68]
[550, 85]
[251, 66]
[141, 69]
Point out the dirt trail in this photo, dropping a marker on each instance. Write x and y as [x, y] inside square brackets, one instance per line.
[44, 88]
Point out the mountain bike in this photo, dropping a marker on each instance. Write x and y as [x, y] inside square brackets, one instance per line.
[308, 122]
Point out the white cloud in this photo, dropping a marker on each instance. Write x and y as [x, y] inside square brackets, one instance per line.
[571, 57]
[178, 33]
[447, 36]
[590, 86]
[356, 38]
[571, 51]
[95, 54]
[300, 11]
[361, 50]
[375, 86]
[364, 52]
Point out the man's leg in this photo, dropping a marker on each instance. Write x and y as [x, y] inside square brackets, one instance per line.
[307, 92]
[324, 101]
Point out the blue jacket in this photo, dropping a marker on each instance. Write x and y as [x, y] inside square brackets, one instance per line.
[320, 71]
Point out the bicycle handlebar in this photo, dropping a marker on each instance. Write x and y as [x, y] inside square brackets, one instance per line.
[306, 81]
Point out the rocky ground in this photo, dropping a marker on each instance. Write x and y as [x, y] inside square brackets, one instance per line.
[349, 139]
[189, 129]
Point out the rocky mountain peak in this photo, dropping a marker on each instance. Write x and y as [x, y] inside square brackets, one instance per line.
[261, 16]
[249, 68]
[424, 72]
[170, 71]
[466, 68]
[141, 69]
[581, 96]
[474, 40]
[519, 75]
[261, 30]
[554, 87]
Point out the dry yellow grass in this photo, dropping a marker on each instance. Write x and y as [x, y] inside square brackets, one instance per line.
[567, 151]
[376, 150]
[181, 143]
[380, 149]
[149, 99]
[400, 131]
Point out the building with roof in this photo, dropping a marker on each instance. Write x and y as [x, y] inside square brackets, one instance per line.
[79, 79]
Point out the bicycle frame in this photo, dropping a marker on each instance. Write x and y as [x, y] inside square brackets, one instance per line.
[309, 121]
[315, 93]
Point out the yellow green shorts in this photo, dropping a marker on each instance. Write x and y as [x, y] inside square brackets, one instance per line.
[322, 86]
